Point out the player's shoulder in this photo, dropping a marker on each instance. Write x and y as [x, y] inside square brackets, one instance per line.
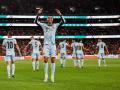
[38, 41]
[14, 39]
[102, 42]
[98, 43]
[56, 24]
[5, 39]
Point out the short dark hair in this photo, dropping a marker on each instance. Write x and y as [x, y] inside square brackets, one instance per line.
[9, 33]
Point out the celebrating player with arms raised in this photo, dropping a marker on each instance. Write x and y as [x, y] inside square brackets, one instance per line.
[49, 41]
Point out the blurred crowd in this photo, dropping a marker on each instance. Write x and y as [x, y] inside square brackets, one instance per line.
[68, 7]
[21, 31]
[90, 45]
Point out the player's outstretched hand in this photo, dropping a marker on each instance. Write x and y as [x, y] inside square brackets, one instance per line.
[58, 11]
[40, 10]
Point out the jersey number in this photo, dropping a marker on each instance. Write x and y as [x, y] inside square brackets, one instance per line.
[101, 46]
[36, 44]
[62, 46]
[10, 45]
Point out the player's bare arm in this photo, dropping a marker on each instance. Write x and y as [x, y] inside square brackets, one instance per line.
[107, 52]
[18, 49]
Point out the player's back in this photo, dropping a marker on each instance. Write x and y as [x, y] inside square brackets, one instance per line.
[35, 45]
[9, 44]
[74, 46]
[63, 46]
[101, 45]
[80, 46]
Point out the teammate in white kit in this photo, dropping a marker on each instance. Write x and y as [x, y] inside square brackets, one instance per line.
[49, 41]
[63, 50]
[74, 52]
[9, 45]
[36, 46]
[80, 54]
[101, 52]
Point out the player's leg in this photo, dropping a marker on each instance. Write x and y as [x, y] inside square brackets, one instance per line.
[8, 62]
[53, 58]
[37, 61]
[74, 61]
[33, 61]
[64, 57]
[61, 59]
[46, 68]
[99, 60]
[52, 68]
[79, 63]
[13, 65]
[78, 60]
[46, 57]
[82, 60]
[103, 59]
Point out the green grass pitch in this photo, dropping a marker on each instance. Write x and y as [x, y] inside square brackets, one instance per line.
[69, 78]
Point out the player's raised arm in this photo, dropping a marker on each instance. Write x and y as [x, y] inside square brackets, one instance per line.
[37, 16]
[62, 18]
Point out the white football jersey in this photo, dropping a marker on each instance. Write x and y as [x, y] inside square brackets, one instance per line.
[74, 46]
[63, 46]
[49, 32]
[9, 44]
[80, 47]
[35, 45]
[101, 46]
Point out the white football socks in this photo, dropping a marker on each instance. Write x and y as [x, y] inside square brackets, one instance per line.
[46, 72]
[8, 70]
[33, 65]
[37, 65]
[13, 69]
[64, 62]
[104, 61]
[52, 71]
[79, 63]
[99, 62]
[75, 62]
[82, 62]
[61, 61]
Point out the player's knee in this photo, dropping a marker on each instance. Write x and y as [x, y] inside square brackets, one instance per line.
[53, 60]
[45, 59]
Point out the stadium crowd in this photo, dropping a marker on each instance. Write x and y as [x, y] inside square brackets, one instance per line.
[76, 7]
[62, 31]
[90, 44]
